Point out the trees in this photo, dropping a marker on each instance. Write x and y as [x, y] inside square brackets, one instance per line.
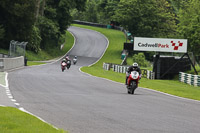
[40, 22]
[97, 11]
[54, 19]
[189, 25]
[90, 13]
[17, 18]
[152, 18]
[2, 32]
[107, 10]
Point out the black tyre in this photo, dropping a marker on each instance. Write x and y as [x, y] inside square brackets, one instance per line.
[133, 87]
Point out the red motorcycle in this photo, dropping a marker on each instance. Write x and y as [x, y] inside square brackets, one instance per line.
[133, 81]
[63, 65]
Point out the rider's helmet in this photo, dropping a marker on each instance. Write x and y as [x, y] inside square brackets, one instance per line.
[67, 57]
[75, 57]
[135, 65]
[64, 60]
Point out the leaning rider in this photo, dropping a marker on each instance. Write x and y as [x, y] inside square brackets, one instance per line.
[134, 67]
[64, 60]
[67, 58]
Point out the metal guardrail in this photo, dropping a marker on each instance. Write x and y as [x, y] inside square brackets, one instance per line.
[96, 24]
[189, 79]
[122, 69]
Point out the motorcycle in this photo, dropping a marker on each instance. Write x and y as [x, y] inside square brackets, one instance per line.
[63, 65]
[68, 64]
[133, 80]
[74, 60]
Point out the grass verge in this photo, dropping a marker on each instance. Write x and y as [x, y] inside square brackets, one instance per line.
[33, 63]
[14, 120]
[2, 78]
[112, 55]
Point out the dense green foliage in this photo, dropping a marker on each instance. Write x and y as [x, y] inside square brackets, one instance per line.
[152, 19]
[189, 25]
[140, 59]
[149, 18]
[39, 22]
[17, 20]
[44, 55]
[42, 22]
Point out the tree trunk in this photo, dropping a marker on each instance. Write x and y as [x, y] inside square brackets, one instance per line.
[37, 9]
[43, 6]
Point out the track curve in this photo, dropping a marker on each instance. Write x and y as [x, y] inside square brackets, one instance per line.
[81, 103]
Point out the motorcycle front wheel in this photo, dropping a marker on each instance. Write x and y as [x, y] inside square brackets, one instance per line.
[133, 86]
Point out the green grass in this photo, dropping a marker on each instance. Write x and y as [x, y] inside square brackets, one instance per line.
[168, 86]
[116, 40]
[172, 87]
[3, 51]
[197, 67]
[113, 54]
[2, 78]
[13, 120]
[51, 53]
[33, 63]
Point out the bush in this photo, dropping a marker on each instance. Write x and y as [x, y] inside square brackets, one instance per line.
[140, 59]
[35, 40]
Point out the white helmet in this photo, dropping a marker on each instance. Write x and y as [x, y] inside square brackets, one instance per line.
[135, 64]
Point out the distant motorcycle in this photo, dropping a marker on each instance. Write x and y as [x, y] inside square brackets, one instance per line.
[75, 60]
[133, 80]
[68, 64]
[63, 65]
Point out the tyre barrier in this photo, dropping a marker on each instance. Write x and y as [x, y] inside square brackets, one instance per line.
[123, 69]
[189, 79]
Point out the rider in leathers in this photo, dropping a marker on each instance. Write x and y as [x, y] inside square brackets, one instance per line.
[135, 67]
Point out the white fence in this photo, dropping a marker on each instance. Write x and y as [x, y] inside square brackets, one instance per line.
[122, 69]
[189, 79]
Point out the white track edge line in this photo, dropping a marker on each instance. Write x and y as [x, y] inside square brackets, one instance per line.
[183, 98]
[20, 108]
[122, 83]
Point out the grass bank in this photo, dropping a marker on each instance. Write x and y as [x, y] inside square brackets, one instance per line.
[16, 121]
[52, 53]
[113, 54]
[47, 54]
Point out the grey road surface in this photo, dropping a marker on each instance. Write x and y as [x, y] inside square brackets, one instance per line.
[80, 103]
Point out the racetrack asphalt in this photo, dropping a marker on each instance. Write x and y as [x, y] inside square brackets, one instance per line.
[81, 103]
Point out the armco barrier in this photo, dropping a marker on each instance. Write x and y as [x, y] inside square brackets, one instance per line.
[189, 79]
[122, 69]
[11, 63]
[96, 24]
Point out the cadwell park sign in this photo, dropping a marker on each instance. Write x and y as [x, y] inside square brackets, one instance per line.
[160, 45]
